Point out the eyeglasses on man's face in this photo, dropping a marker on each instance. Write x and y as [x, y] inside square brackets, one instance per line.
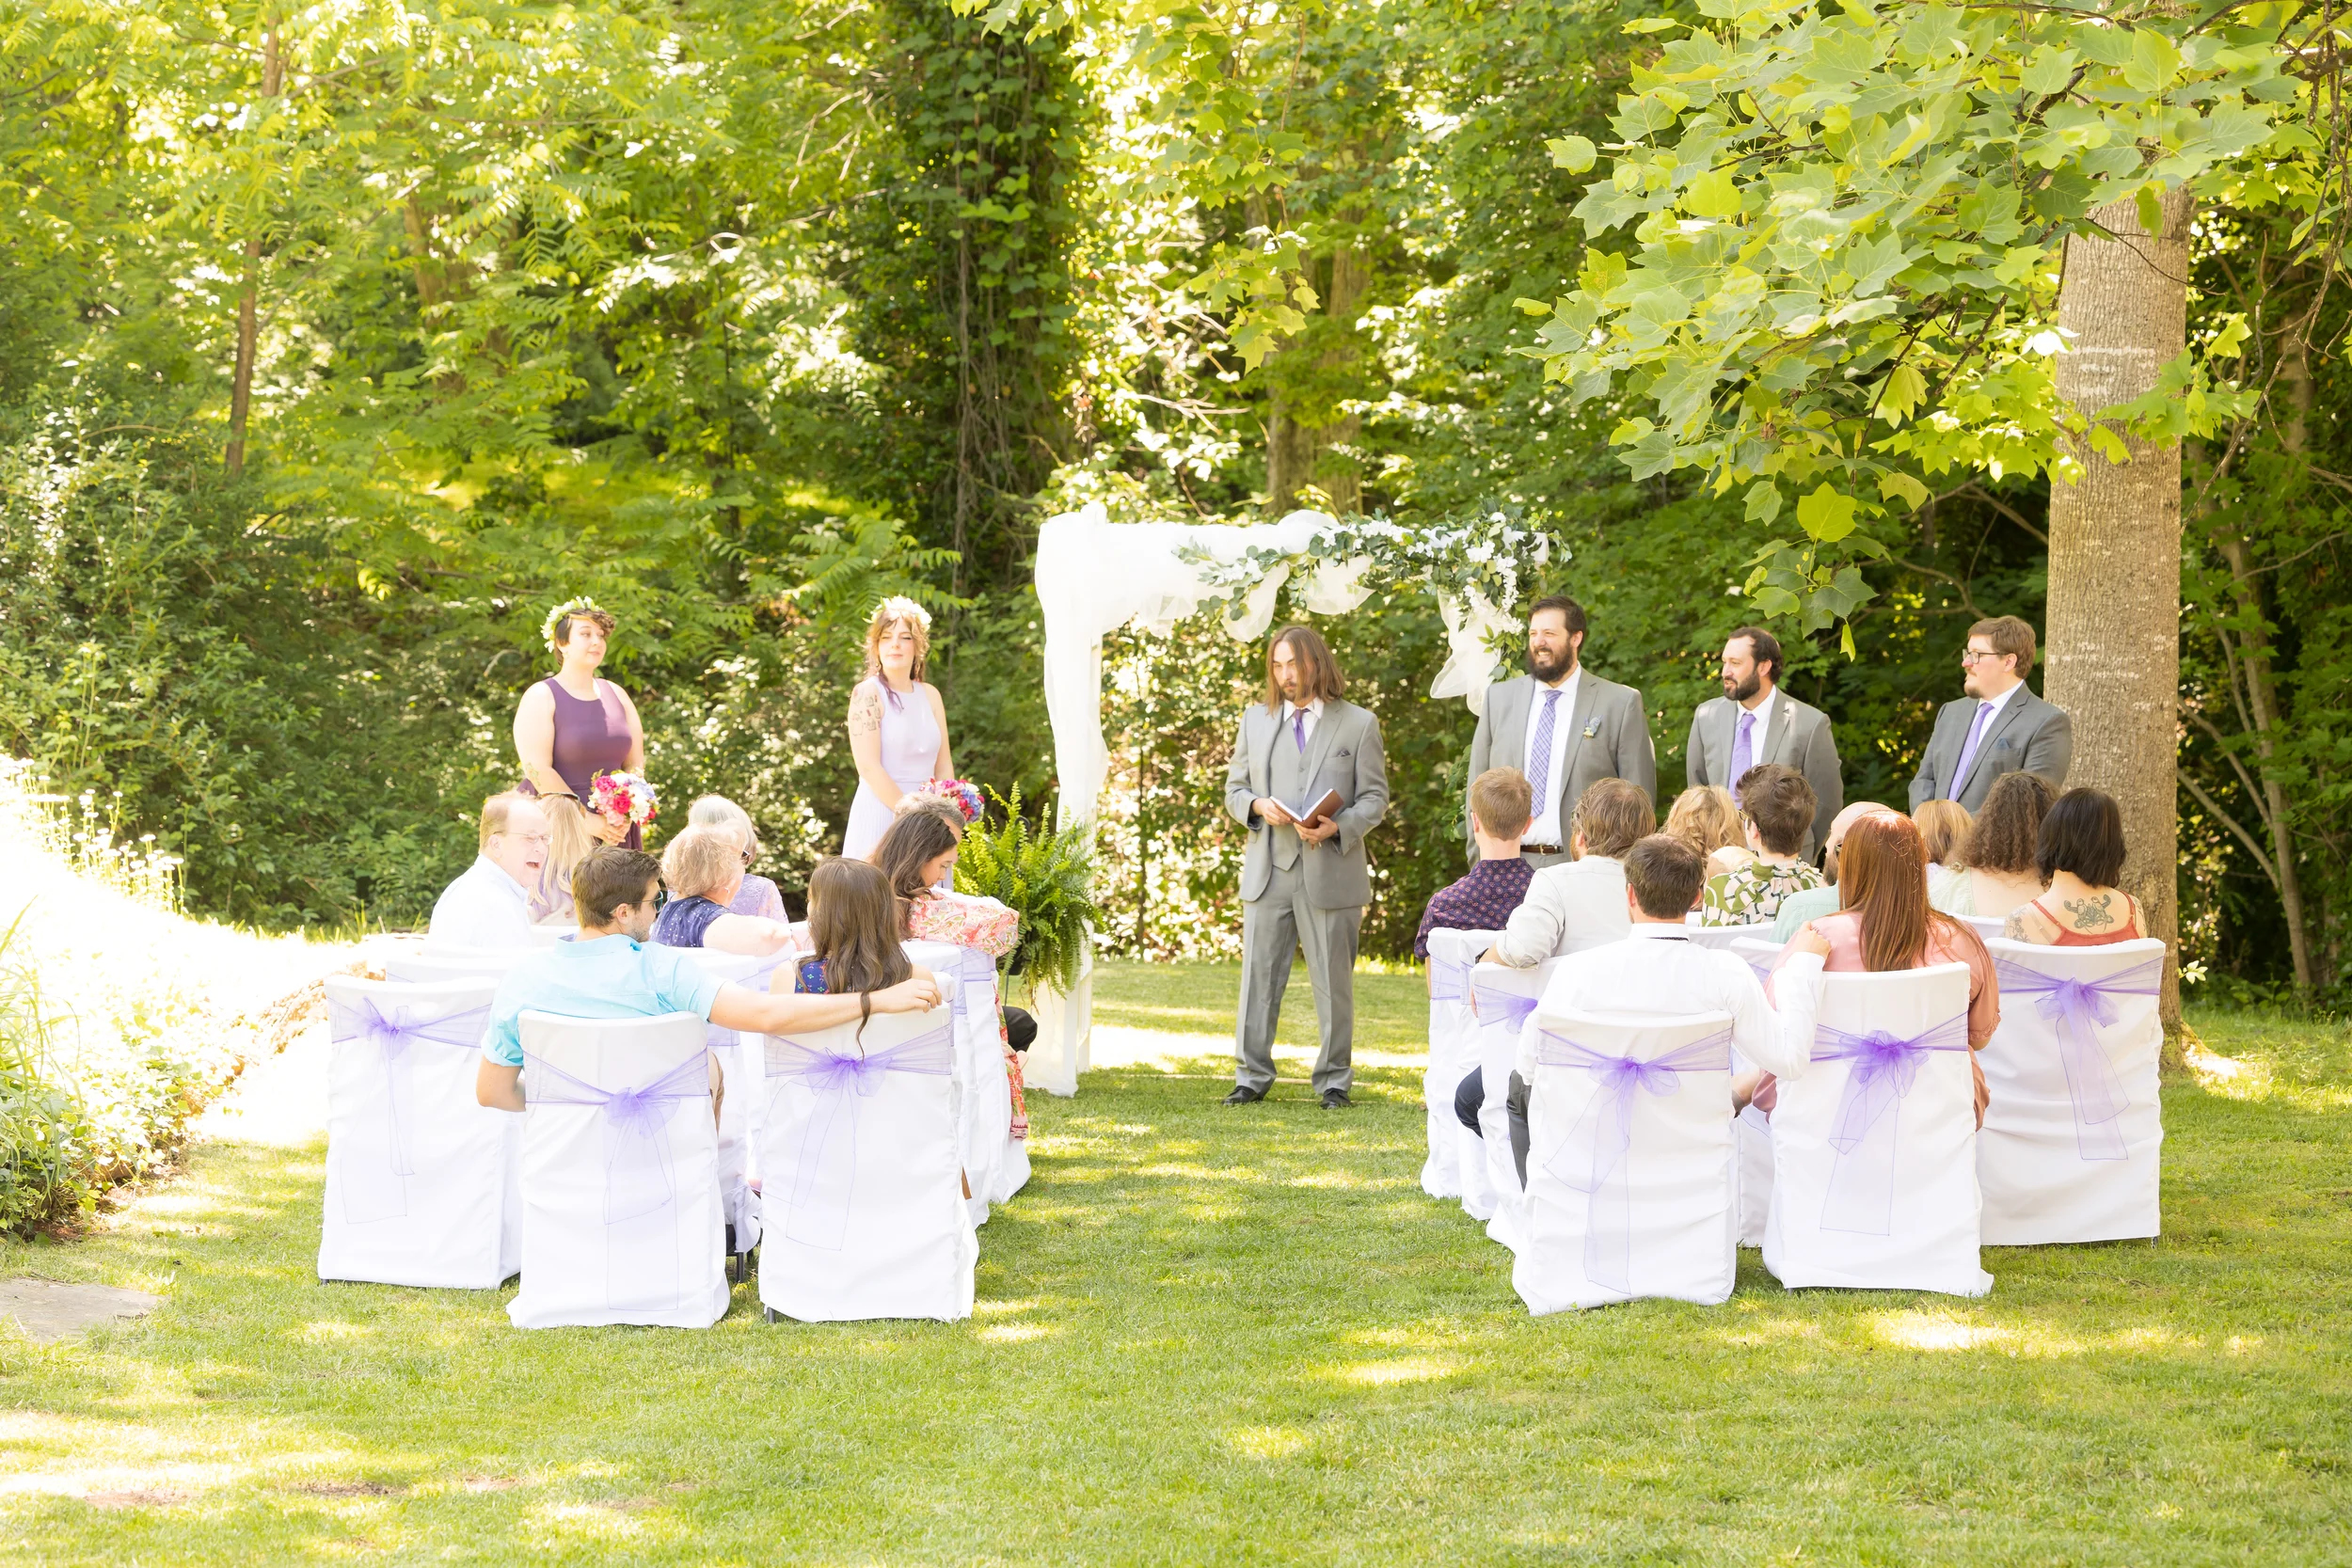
[537, 840]
[1976, 656]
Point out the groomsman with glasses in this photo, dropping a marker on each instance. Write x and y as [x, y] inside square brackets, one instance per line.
[1754, 723]
[1309, 781]
[1562, 726]
[1998, 728]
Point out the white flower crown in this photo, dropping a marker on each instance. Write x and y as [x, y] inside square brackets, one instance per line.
[564, 612]
[900, 607]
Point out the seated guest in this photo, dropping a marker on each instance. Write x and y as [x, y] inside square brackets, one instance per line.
[1580, 903]
[1887, 925]
[938, 806]
[1812, 903]
[917, 859]
[569, 843]
[2081, 853]
[757, 896]
[1942, 825]
[1779, 806]
[1996, 870]
[1501, 807]
[854, 925]
[613, 970]
[1707, 818]
[489, 904]
[705, 870]
[1657, 970]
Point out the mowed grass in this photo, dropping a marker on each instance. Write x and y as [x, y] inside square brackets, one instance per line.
[1219, 1336]
[1391, 1010]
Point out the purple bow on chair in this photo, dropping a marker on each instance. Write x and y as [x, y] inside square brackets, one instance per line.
[1497, 1006]
[976, 975]
[2080, 1008]
[378, 1192]
[1605, 1133]
[640, 1179]
[1449, 980]
[818, 1212]
[1861, 1197]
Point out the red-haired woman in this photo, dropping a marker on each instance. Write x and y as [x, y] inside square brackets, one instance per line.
[1887, 925]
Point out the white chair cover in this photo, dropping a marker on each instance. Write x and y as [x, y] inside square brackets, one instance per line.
[432, 966]
[1987, 925]
[1003, 1158]
[1629, 1162]
[2072, 1135]
[1728, 936]
[977, 1054]
[1754, 1129]
[1874, 1150]
[866, 1212]
[1456, 1164]
[1506, 1004]
[547, 936]
[622, 1220]
[739, 1072]
[422, 1181]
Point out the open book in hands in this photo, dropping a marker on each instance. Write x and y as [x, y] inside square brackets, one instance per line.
[1317, 814]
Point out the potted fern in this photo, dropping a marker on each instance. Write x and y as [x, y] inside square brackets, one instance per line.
[1048, 880]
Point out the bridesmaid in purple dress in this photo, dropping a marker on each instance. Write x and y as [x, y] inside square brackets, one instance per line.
[573, 726]
[897, 723]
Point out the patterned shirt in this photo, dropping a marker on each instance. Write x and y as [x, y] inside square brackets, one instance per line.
[1482, 901]
[1751, 895]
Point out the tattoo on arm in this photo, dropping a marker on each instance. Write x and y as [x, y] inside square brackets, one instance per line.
[2092, 914]
[864, 714]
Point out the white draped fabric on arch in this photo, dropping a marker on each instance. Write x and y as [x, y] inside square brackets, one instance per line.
[1095, 576]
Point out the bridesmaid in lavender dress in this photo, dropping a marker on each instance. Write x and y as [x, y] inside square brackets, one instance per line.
[897, 723]
[573, 726]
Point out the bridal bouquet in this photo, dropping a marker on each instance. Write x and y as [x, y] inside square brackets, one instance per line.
[623, 799]
[963, 792]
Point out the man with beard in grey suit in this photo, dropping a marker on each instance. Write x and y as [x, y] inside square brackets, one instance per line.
[1304, 879]
[1754, 723]
[1998, 728]
[1562, 726]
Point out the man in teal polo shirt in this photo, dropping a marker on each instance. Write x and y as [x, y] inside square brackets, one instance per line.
[612, 969]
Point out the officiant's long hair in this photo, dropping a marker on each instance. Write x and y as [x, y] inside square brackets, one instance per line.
[1314, 656]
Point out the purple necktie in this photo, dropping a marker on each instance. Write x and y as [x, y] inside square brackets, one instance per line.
[1968, 750]
[1298, 727]
[1539, 762]
[1743, 752]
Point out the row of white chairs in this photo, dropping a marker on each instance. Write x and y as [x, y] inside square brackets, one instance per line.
[1870, 1173]
[426, 1187]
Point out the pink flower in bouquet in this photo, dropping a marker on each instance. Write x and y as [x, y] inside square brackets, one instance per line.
[623, 799]
[963, 792]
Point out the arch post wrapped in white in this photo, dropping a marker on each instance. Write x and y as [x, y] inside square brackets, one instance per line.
[864, 1197]
[1504, 1002]
[1457, 1163]
[622, 1211]
[1874, 1148]
[2073, 1135]
[1630, 1183]
[422, 1181]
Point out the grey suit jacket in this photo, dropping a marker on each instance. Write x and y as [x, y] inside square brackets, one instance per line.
[2027, 734]
[1342, 754]
[1799, 737]
[1608, 738]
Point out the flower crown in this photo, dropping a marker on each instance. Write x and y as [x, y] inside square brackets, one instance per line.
[900, 607]
[564, 612]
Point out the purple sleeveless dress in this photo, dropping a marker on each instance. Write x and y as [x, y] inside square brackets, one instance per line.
[909, 754]
[591, 738]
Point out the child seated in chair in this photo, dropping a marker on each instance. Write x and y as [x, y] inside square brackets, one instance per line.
[1502, 806]
[853, 927]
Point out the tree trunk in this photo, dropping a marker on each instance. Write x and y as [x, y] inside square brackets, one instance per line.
[1294, 450]
[2114, 633]
[248, 296]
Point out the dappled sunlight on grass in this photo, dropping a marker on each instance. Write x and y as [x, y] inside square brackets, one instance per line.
[1015, 1334]
[1266, 1442]
[1381, 1374]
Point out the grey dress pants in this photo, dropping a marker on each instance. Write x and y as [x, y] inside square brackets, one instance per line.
[1272, 929]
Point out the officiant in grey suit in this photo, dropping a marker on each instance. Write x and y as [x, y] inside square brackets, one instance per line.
[1304, 879]
[1754, 723]
[1998, 728]
[1564, 727]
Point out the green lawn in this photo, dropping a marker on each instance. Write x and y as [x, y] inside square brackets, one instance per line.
[1391, 1010]
[1208, 1335]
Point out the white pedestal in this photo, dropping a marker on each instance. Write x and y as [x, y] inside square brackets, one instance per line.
[1064, 1026]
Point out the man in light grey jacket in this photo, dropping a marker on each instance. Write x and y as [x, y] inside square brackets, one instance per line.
[1754, 723]
[1562, 726]
[1304, 878]
[1998, 728]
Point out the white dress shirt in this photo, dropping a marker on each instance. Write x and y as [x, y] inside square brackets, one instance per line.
[484, 908]
[1657, 970]
[1314, 711]
[1998, 702]
[1548, 832]
[1568, 907]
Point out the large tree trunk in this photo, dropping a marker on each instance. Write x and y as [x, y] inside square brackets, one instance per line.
[2114, 634]
[1294, 450]
[248, 296]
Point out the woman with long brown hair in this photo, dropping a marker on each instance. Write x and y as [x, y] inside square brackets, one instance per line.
[897, 722]
[853, 927]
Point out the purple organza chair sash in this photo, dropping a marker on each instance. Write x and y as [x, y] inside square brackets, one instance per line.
[1449, 980]
[1499, 1007]
[1605, 1133]
[1861, 1195]
[377, 1190]
[818, 1209]
[2080, 1009]
[974, 970]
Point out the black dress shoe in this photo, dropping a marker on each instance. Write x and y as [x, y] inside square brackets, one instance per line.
[1244, 1095]
[1335, 1099]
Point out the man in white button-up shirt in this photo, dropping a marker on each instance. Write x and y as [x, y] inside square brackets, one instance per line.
[1581, 903]
[489, 906]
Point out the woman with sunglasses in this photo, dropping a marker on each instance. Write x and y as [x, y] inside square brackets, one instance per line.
[703, 871]
[757, 896]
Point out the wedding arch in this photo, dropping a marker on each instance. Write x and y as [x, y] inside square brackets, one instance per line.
[1095, 575]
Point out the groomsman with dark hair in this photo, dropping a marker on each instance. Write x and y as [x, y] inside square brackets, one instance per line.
[1999, 727]
[1309, 781]
[1754, 723]
[1562, 726]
